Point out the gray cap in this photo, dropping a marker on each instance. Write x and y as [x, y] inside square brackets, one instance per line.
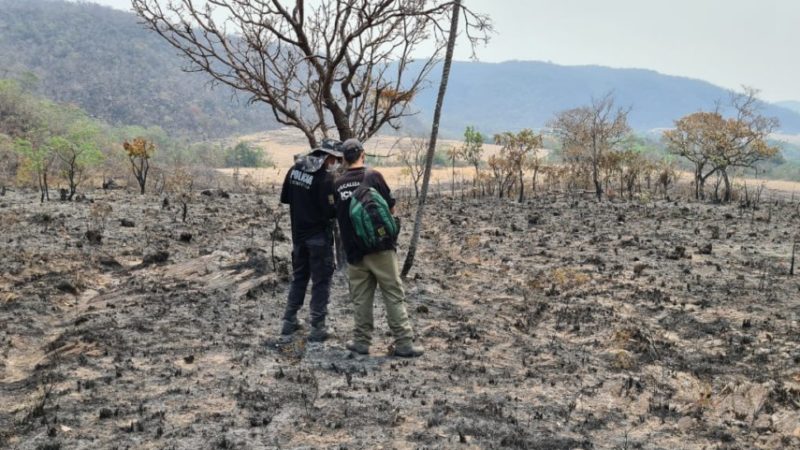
[330, 146]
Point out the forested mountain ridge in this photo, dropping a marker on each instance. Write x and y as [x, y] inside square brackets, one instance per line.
[102, 60]
[519, 94]
[790, 104]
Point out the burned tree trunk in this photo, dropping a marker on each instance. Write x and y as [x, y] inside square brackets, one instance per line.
[448, 60]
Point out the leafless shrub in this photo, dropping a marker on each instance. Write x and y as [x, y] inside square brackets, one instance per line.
[411, 156]
[96, 223]
[309, 388]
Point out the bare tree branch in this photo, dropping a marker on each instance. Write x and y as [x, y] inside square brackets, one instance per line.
[330, 64]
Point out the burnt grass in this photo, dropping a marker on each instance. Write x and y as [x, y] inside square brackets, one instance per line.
[559, 323]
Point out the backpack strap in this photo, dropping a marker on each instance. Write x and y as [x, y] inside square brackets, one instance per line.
[367, 171]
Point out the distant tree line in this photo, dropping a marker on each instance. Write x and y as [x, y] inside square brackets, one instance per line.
[49, 145]
[592, 148]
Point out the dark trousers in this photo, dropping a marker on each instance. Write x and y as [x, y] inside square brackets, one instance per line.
[312, 259]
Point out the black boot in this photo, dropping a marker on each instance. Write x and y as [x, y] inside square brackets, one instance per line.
[290, 327]
[407, 350]
[318, 334]
[358, 347]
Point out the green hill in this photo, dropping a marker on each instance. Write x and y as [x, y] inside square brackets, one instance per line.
[104, 61]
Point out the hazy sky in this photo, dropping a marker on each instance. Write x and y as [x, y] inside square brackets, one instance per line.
[726, 42]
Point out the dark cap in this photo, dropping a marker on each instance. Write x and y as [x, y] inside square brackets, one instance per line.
[352, 149]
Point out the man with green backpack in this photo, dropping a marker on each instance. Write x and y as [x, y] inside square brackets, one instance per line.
[364, 209]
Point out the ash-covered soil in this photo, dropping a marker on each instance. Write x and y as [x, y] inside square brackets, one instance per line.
[556, 324]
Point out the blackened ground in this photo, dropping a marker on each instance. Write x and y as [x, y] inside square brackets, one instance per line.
[555, 324]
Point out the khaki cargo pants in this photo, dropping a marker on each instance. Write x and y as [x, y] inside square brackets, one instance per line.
[379, 269]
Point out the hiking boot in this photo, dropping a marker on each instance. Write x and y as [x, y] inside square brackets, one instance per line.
[357, 347]
[290, 327]
[407, 350]
[318, 334]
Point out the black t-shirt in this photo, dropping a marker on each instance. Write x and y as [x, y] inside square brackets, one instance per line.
[344, 187]
[310, 199]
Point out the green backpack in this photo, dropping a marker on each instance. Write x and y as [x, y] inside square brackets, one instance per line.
[374, 226]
